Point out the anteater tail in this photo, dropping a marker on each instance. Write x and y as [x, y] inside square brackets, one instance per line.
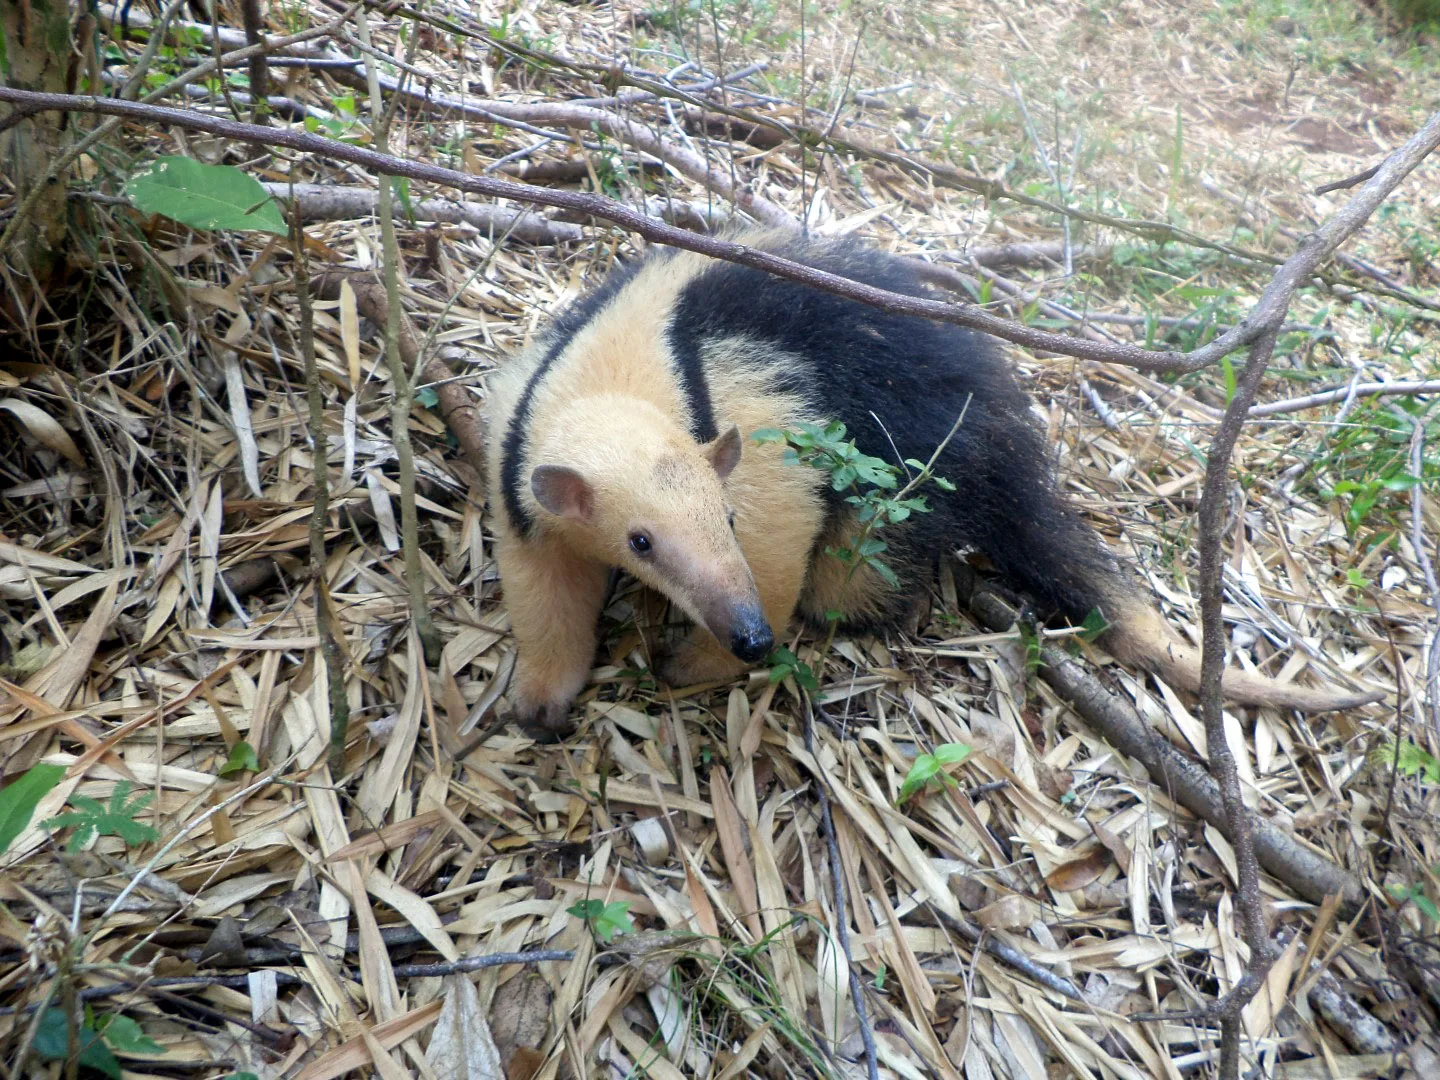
[1142, 637]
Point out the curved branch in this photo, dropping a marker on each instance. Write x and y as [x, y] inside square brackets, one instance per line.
[1270, 308]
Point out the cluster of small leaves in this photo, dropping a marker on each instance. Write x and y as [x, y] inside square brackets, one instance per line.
[606, 920]
[91, 818]
[1414, 893]
[784, 664]
[873, 485]
[1366, 463]
[1407, 759]
[931, 767]
[95, 1038]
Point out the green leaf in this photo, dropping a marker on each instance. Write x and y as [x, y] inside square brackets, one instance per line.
[606, 920]
[1426, 905]
[805, 678]
[884, 571]
[242, 759]
[125, 1035]
[426, 397]
[942, 483]
[118, 819]
[205, 196]
[952, 753]
[52, 1043]
[930, 767]
[1229, 369]
[19, 798]
[767, 435]
[921, 773]
[1094, 625]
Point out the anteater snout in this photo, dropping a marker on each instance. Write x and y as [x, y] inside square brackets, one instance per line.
[750, 637]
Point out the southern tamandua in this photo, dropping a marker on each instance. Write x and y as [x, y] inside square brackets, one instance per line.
[620, 439]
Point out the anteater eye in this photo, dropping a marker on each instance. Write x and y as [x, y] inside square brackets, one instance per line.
[640, 543]
[730, 517]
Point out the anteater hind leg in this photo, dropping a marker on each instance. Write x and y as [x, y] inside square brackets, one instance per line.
[862, 597]
[554, 602]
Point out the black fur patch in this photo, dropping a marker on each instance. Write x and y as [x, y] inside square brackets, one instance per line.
[562, 331]
[898, 383]
[685, 334]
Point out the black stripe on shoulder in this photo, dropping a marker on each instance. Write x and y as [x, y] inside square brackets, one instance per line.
[562, 331]
[687, 329]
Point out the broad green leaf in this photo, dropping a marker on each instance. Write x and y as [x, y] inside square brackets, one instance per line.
[921, 773]
[205, 196]
[126, 1036]
[951, 753]
[242, 759]
[52, 1043]
[19, 798]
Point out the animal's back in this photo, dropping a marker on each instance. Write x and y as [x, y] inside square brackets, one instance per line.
[899, 384]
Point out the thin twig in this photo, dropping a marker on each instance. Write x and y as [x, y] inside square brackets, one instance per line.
[1347, 393]
[1427, 568]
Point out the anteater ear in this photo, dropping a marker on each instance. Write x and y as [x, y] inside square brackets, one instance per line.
[724, 452]
[563, 491]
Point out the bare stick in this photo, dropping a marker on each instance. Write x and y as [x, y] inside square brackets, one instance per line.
[1427, 567]
[319, 511]
[1347, 393]
[1185, 780]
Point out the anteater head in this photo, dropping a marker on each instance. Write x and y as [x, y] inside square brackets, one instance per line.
[625, 485]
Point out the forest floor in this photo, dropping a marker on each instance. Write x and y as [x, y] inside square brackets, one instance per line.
[159, 609]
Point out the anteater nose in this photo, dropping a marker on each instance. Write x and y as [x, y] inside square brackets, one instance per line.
[751, 640]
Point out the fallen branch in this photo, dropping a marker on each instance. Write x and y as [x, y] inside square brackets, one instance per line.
[1182, 778]
[1358, 390]
[458, 406]
[286, 978]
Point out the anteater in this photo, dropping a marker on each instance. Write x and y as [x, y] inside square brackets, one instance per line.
[620, 439]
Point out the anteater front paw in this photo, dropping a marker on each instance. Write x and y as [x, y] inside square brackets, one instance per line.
[690, 662]
[544, 722]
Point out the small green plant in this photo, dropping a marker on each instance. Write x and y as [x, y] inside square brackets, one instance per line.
[606, 920]
[242, 759]
[19, 798]
[1408, 759]
[1415, 894]
[873, 485]
[95, 1038]
[52, 1043]
[117, 819]
[125, 1035]
[931, 767]
[784, 663]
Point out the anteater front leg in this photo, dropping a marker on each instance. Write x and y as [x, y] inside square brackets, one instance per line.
[554, 599]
